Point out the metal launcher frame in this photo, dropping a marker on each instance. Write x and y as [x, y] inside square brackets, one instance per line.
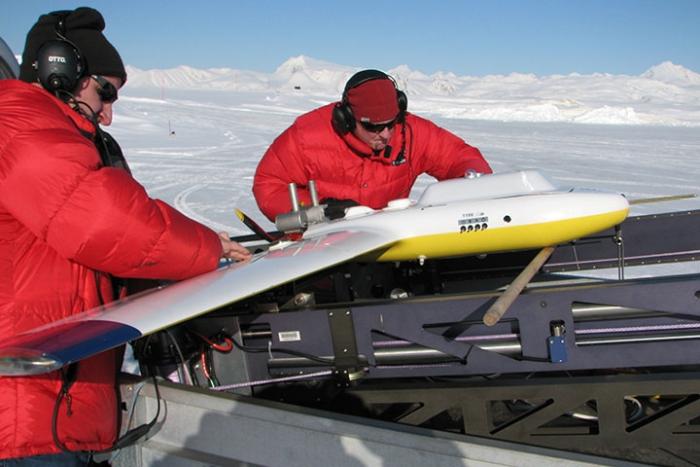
[608, 367]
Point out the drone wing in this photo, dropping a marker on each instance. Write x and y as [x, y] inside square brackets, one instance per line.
[60, 343]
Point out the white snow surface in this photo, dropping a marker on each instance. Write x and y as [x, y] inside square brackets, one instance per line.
[194, 137]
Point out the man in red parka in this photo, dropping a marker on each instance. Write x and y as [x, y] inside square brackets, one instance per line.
[366, 149]
[67, 222]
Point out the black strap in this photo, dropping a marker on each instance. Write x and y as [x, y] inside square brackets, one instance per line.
[110, 151]
[68, 376]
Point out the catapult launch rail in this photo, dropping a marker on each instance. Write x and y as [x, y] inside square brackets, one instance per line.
[605, 367]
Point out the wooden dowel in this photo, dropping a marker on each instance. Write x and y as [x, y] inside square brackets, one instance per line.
[502, 303]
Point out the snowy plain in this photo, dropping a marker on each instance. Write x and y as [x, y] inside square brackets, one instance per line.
[194, 137]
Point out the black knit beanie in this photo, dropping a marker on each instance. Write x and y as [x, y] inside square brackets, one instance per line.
[83, 27]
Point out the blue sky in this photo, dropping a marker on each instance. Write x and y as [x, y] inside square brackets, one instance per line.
[466, 37]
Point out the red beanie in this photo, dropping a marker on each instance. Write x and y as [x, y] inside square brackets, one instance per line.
[374, 101]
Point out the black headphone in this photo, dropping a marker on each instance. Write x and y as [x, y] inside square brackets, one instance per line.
[59, 64]
[343, 119]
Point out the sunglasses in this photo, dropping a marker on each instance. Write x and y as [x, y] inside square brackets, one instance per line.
[107, 91]
[378, 127]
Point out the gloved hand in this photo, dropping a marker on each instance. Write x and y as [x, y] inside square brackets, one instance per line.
[335, 208]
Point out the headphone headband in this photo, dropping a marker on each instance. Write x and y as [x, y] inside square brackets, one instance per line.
[362, 77]
[61, 23]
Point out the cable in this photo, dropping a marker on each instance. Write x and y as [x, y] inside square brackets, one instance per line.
[129, 415]
[223, 348]
[65, 96]
[227, 347]
[206, 356]
[193, 372]
[130, 411]
[130, 437]
[187, 377]
[210, 363]
[205, 368]
[70, 99]
[68, 377]
[325, 361]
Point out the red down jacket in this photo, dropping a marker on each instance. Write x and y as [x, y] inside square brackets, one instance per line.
[344, 167]
[65, 223]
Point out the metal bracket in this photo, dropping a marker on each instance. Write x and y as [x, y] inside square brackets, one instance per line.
[347, 362]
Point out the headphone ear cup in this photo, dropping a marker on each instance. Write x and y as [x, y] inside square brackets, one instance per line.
[59, 66]
[343, 120]
[402, 100]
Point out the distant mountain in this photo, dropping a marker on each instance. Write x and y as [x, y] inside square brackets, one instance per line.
[303, 72]
[666, 94]
[185, 77]
[671, 73]
[319, 76]
[296, 73]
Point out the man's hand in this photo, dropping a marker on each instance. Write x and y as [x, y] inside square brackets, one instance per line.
[335, 208]
[231, 249]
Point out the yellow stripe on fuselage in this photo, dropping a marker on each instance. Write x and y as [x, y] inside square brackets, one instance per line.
[507, 238]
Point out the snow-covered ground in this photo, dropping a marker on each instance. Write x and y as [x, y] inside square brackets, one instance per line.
[194, 137]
